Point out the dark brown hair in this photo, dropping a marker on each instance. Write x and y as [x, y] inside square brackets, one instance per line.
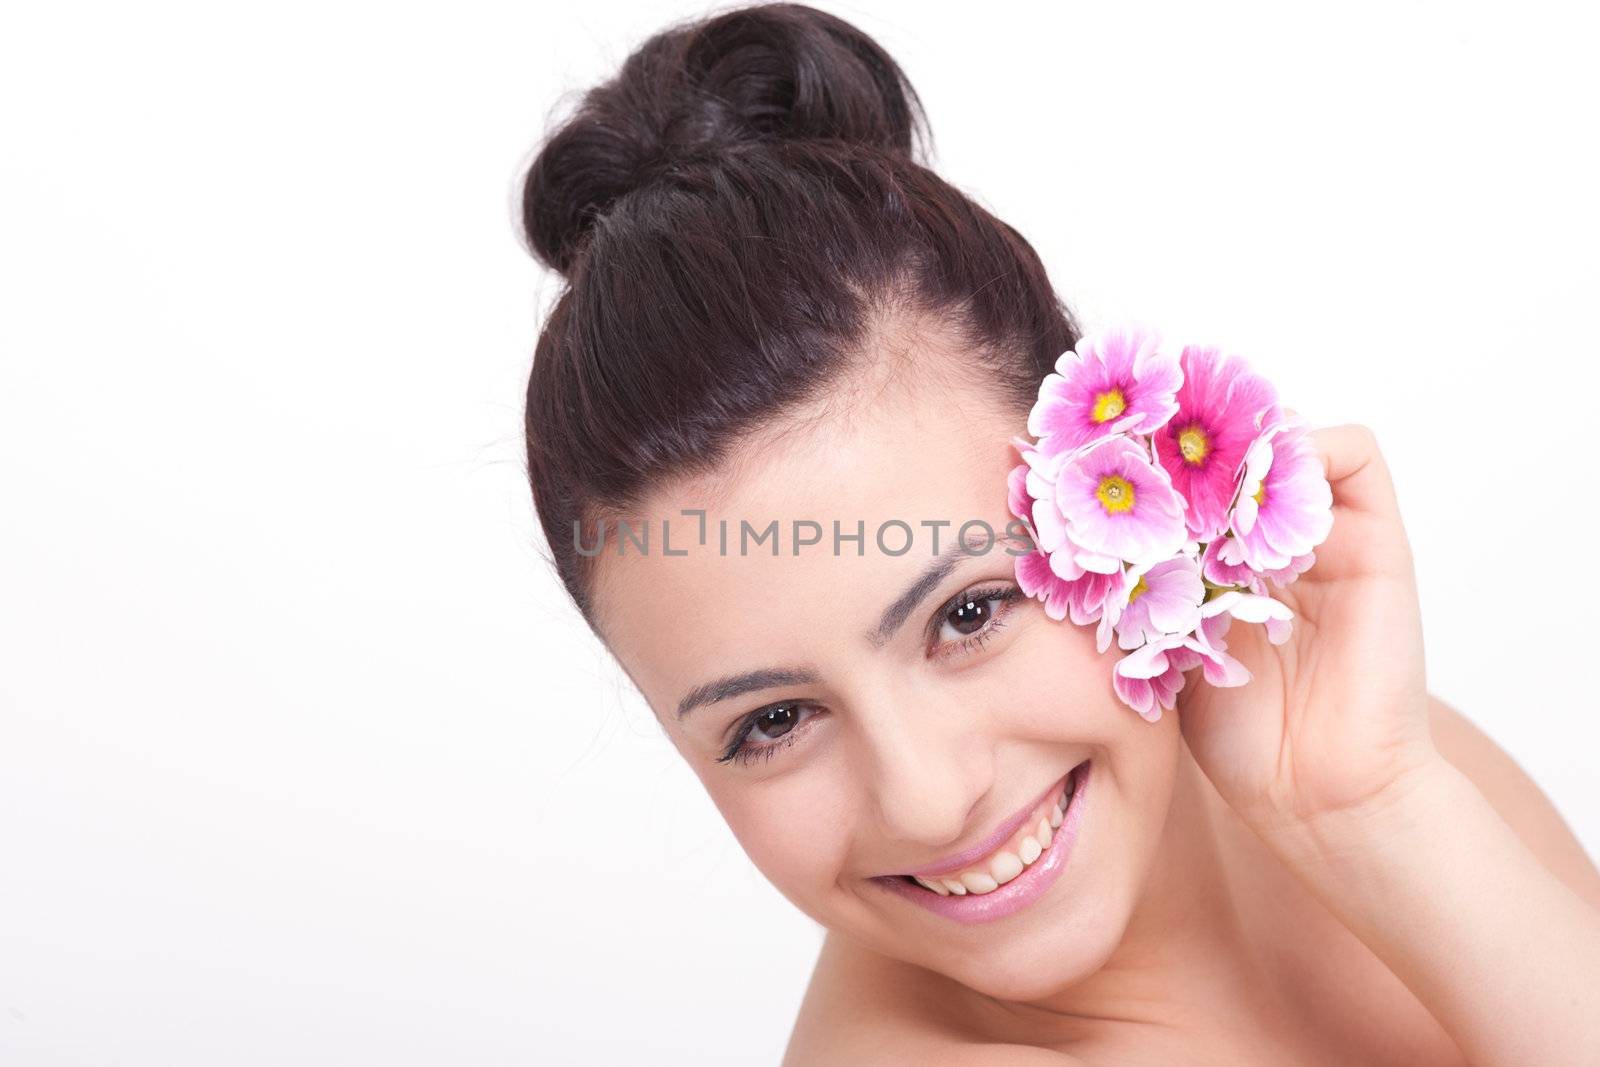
[732, 213]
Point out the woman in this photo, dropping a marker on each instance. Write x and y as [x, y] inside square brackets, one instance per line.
[781, 336]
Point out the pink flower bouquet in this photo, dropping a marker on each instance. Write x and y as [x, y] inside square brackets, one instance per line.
[1162, 495]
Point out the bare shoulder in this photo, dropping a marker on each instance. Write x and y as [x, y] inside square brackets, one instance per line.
[1520, 802]
[862, 1008]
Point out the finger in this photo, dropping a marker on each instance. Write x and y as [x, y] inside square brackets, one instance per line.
[1356, 469]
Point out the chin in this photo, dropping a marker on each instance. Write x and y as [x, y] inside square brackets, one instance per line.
[1037, 964]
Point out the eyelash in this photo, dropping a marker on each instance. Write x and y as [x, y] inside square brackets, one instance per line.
[739, 751]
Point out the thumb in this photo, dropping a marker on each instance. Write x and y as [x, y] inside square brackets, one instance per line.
[1356, 470]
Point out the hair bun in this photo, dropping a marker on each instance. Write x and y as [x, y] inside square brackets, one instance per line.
[777, 72]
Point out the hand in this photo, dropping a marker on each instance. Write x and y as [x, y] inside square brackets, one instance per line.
[1335, 718]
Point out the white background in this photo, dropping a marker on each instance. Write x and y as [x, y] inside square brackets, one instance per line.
[304, 757]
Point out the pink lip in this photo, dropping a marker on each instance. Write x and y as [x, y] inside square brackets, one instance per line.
[968, 856]
[1016, 894]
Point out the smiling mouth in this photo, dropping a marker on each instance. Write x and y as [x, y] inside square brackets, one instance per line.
[1020, 851]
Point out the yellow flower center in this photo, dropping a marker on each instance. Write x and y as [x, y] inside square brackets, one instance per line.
[1109, 405]
[1261, 495]
[1139, 590]
[1115, 494]
[1193, 444]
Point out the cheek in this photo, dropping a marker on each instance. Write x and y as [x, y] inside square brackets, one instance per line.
[795, 829]
[1063, 698]
[1064, 683]
[1055, 680]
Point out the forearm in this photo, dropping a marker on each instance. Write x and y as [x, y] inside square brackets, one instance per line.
[1503, 954]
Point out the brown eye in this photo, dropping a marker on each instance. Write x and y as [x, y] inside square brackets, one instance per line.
[970, 616]
[971, 619]
[775, 722]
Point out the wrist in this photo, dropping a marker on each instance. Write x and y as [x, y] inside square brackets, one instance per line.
[1416, 799]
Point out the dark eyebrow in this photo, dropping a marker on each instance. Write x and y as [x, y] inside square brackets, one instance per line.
[894, 616]
[739, 684]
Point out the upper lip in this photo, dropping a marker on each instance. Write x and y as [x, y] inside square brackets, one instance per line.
[968, 856]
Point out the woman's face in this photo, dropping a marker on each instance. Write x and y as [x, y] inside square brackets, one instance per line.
[891, 720]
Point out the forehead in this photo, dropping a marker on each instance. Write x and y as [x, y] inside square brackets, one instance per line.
[912, 463]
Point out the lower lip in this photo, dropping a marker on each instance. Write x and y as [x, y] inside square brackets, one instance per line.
[1016, 894]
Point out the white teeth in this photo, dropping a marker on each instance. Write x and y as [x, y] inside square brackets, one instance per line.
[1060, 810]
[1005, 867]
[1030, 849]
[978, 882]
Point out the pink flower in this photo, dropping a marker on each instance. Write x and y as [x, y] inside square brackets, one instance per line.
[1297, 566]
[1116, 599]
[1038, 572]
[1149, 679]
[1285, 506]
[1117, 505]
[1080, 599]
[1162, 599]
[1219, 573]
[1086, 596]
[1222, 406]
[1214, 627]
[1037, 494]
[1216, 666]
[1037, 580]
[1116, 381]
[1034, 576]
[1017, 498]
[1247, 607]
[1139, 461]
[1215, 571]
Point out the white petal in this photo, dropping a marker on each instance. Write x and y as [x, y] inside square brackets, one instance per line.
[1259, 609]
[1219, 604]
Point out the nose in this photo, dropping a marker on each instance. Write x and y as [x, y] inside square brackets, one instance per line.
[930, 764]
